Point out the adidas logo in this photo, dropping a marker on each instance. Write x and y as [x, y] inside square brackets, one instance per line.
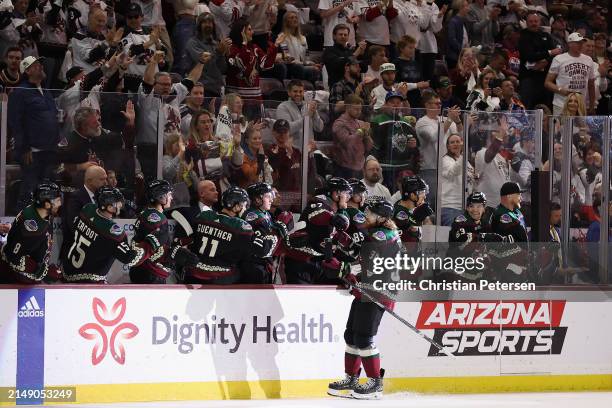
[31, 309]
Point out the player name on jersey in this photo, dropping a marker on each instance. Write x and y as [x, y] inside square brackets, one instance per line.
[214, 232]
[87, 232]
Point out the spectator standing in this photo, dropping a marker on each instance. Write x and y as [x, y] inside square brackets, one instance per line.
[465, 75]
[377, 57]
[444, 89]
[9, 75]
[139, 44]
[510, 42]
[427, 130]
[185, 29]
[253, 166]
[483, 24]
[410, 70]
[483, 97]
[451, 177]
[193, 104]
[428, 45]
[457, 34]
[351, 140]
[388, 84]
[558, 31]
[571, 72]
[205, 41]
[537, 49]
[246, 60]
[335, 12]
[153, 18]
[334, 57]
[295, 111]
[30, 109]
[203, 147]
[508, 100]
[349, 84]
[285, 159]
[374, 20]
[158, 103]
[409, 22]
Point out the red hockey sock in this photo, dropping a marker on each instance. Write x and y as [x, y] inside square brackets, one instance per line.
[371, 365]
[352, 362]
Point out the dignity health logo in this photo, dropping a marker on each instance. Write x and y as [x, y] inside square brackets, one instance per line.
[31, 309]
[108, 322]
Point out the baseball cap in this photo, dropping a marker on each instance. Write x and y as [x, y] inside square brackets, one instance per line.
[387, 66]
[281, 125]
[72, 72]
[393, 94]
[575, 37]
[133, 10]
[27, 63]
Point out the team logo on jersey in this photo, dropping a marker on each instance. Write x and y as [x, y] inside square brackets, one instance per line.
[246, 227]
[116, 230]
[30, 225]
[461, 218]
[154, 218]
[359, 218]
[251, 216]
[380, 235]
[505, 219]
[402, 216]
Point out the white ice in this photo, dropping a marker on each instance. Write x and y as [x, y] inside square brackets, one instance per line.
[404, 400]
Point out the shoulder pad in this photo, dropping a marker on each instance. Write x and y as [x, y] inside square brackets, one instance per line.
[359, 218]
[401, 215]
[154, 218]
[505, 219]
[461, 218]
[30, 225]
[116, 229]
[379, 235]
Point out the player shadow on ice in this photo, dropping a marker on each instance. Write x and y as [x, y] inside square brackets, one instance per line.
[239, 333]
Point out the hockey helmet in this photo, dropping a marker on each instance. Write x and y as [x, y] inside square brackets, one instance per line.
[257, 190]
[46, 191]
[477, 197]
[413, 184]
[156, 189]
[234, 195]
[338, 184]
[108, 196]
[379, 206]
[357, 185]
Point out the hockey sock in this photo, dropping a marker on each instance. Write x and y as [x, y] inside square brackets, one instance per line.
[352, 360]
[371, 362]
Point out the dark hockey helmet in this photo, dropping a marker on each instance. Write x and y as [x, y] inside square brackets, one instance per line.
[106, 196]
[257, 190]
[357, 185]
[379, 206]
[477, 197]
[413, 184]
[338, 184]
[156, 189]
[234, 195]
[46, 191]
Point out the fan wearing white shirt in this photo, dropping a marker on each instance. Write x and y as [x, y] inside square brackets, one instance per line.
[372, 172]
[570, 72]
[427, 129]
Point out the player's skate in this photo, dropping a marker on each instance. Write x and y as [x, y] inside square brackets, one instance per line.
[373, 389]
[344, 387]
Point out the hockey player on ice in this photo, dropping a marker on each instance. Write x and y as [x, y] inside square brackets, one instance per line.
[382, 239]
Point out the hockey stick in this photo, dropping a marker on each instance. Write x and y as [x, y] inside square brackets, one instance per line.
[371, 298]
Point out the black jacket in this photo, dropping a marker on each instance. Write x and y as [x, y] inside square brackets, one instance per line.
[334, 59]
[533, 47]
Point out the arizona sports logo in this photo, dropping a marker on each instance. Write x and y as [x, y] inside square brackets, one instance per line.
[97, 331]
[481, 328]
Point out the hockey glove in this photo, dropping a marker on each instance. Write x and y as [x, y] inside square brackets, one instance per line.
[421, 212]
[153, 242]
[183, 257]
[340, 222]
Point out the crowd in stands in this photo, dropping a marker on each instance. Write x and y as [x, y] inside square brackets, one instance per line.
[234, 91]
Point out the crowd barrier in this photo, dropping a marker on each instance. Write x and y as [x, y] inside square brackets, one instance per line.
[129, 343]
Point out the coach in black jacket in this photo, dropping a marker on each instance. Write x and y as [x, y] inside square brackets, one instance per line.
[537, 49]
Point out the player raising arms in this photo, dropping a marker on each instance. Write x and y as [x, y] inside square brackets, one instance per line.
[25, 257]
